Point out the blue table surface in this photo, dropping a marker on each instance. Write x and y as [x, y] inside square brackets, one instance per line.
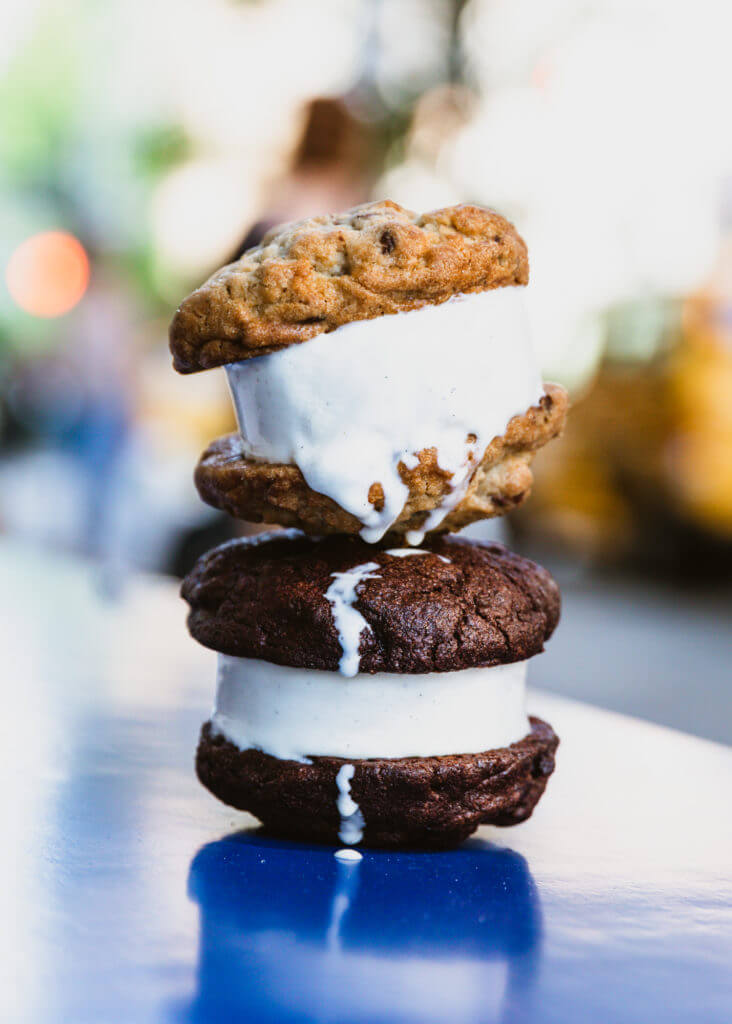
[131, 895]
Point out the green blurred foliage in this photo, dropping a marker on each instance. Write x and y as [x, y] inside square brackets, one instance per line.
[39, 94]
[159, 148]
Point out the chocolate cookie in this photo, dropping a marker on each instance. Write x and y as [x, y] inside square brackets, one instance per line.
[314, 275]
[460, 605]
[430, 801]
[261, 492]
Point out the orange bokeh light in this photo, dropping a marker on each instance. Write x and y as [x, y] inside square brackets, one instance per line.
[48, 273]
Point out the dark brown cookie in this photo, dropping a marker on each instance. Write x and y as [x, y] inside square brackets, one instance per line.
[420, 801]
[264, 492]
[314, 275]
[482, 605]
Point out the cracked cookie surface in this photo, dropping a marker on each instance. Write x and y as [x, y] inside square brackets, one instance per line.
[262, 492]
[314, 275]
[474, 605]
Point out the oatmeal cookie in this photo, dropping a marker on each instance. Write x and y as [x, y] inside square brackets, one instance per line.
[315, 275]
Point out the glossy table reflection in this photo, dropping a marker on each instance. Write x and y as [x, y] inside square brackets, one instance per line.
[132, 896]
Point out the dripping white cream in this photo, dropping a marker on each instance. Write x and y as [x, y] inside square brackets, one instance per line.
[348, 406]
[352, 820]
[349, 622]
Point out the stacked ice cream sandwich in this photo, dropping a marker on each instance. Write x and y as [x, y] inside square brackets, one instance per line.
[371, 680]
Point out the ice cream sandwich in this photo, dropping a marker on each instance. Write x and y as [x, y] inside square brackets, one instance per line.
[381, 369]
[373, 695]
[371, 667]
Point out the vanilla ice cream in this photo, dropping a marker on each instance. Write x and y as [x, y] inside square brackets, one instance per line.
[291, 713]
[348, 406]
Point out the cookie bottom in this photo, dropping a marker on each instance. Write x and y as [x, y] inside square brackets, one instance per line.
[263, 492]
[410, 801]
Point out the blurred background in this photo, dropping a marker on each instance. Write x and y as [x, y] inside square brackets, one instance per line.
[144, 144]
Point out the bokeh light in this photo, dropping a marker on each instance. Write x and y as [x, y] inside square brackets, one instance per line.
[48, 273]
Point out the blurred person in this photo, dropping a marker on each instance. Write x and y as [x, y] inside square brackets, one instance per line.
[75, 401]
[333, 166]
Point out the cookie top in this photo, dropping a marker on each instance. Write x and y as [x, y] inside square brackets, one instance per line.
[457, 605]
[311, 276]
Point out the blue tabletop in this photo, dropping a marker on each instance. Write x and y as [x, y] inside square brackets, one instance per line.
[132, 896]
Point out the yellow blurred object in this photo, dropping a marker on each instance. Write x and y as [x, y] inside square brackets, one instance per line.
[645, 466]
[700, 383]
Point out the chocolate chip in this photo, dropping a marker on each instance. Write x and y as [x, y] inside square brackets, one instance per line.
[388, 242]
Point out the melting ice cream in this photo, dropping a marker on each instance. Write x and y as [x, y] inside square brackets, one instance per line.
[349, 406]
